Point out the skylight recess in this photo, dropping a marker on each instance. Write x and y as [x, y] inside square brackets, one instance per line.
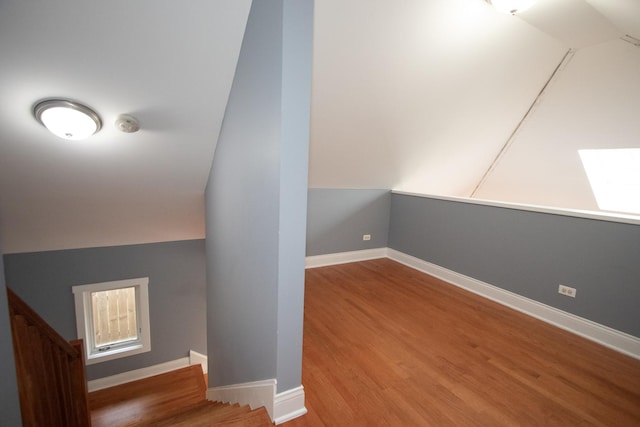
[614, 176]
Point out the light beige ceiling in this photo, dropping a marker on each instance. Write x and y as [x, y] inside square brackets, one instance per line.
[170, 64]
[575, 23]
[624, 14]
[593, 103]
[422, 96]
[418, 95]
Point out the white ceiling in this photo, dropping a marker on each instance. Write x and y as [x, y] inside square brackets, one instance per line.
[575, 23]
[592, 104]
[421, 96]
[417, 95]
[169, 64]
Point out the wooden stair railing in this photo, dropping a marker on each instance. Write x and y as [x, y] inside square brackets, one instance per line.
[51, 374]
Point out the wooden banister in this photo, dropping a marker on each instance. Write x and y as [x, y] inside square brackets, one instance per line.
[51, 374]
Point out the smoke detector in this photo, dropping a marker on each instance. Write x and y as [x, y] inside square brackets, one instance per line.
[127, 123]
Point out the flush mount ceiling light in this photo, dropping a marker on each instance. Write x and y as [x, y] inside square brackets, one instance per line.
[67, 119]
[511, 6]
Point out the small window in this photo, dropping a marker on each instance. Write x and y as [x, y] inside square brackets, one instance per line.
[113, 318]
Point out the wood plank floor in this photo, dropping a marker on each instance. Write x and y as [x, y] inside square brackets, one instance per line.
[147, 400]
[387, 345]
[172, 399]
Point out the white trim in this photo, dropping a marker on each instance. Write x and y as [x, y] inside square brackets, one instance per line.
[198, 358]
[84, 319]
[344, 257]
[255, 394]
[597, 215]
[137, 374]
[289, 405]
[281, 407]
[611, 338]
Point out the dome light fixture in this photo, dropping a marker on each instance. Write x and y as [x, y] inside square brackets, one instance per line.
[67, 119]
[511, 7]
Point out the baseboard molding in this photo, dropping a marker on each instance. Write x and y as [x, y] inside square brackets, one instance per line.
[344, 257]
[289, 405]
[198, 358]
[137, 374]
[614, 339]
[194, 358]
[281, 407]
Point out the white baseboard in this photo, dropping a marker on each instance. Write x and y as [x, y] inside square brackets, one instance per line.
[281, 407]
[614, 339]
[137, 374]
[289, 405]
[344, 257]
[149, 371]
[198, 358]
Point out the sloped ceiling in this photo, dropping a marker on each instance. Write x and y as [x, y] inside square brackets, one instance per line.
[170, 64]
[592, 104]
[624, 14]
[419, 95]
[422, 96]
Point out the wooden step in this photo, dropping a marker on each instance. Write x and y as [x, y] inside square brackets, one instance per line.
[148, 399]
[215, 414]
[176, 398]
[256, 418]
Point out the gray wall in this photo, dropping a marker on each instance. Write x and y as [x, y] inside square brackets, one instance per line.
[529, 253]
[9, 401]
[177, 293]
[255, 204]
[337, 218]
[297, 47]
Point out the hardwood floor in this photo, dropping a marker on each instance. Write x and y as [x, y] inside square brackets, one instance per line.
[387, 345]
[173, 399]
[147, 400]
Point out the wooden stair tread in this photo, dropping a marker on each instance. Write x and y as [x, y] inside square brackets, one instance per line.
[173, 399]
[206, 414]
[256, 418]
[148, 399]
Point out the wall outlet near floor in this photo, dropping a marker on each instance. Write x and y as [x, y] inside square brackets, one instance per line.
[566, 290]
[366, 237]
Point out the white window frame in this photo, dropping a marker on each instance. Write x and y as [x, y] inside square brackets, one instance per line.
[84, 319]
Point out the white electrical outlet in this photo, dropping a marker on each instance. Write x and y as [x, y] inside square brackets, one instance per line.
[366, 237]
[566, 290]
